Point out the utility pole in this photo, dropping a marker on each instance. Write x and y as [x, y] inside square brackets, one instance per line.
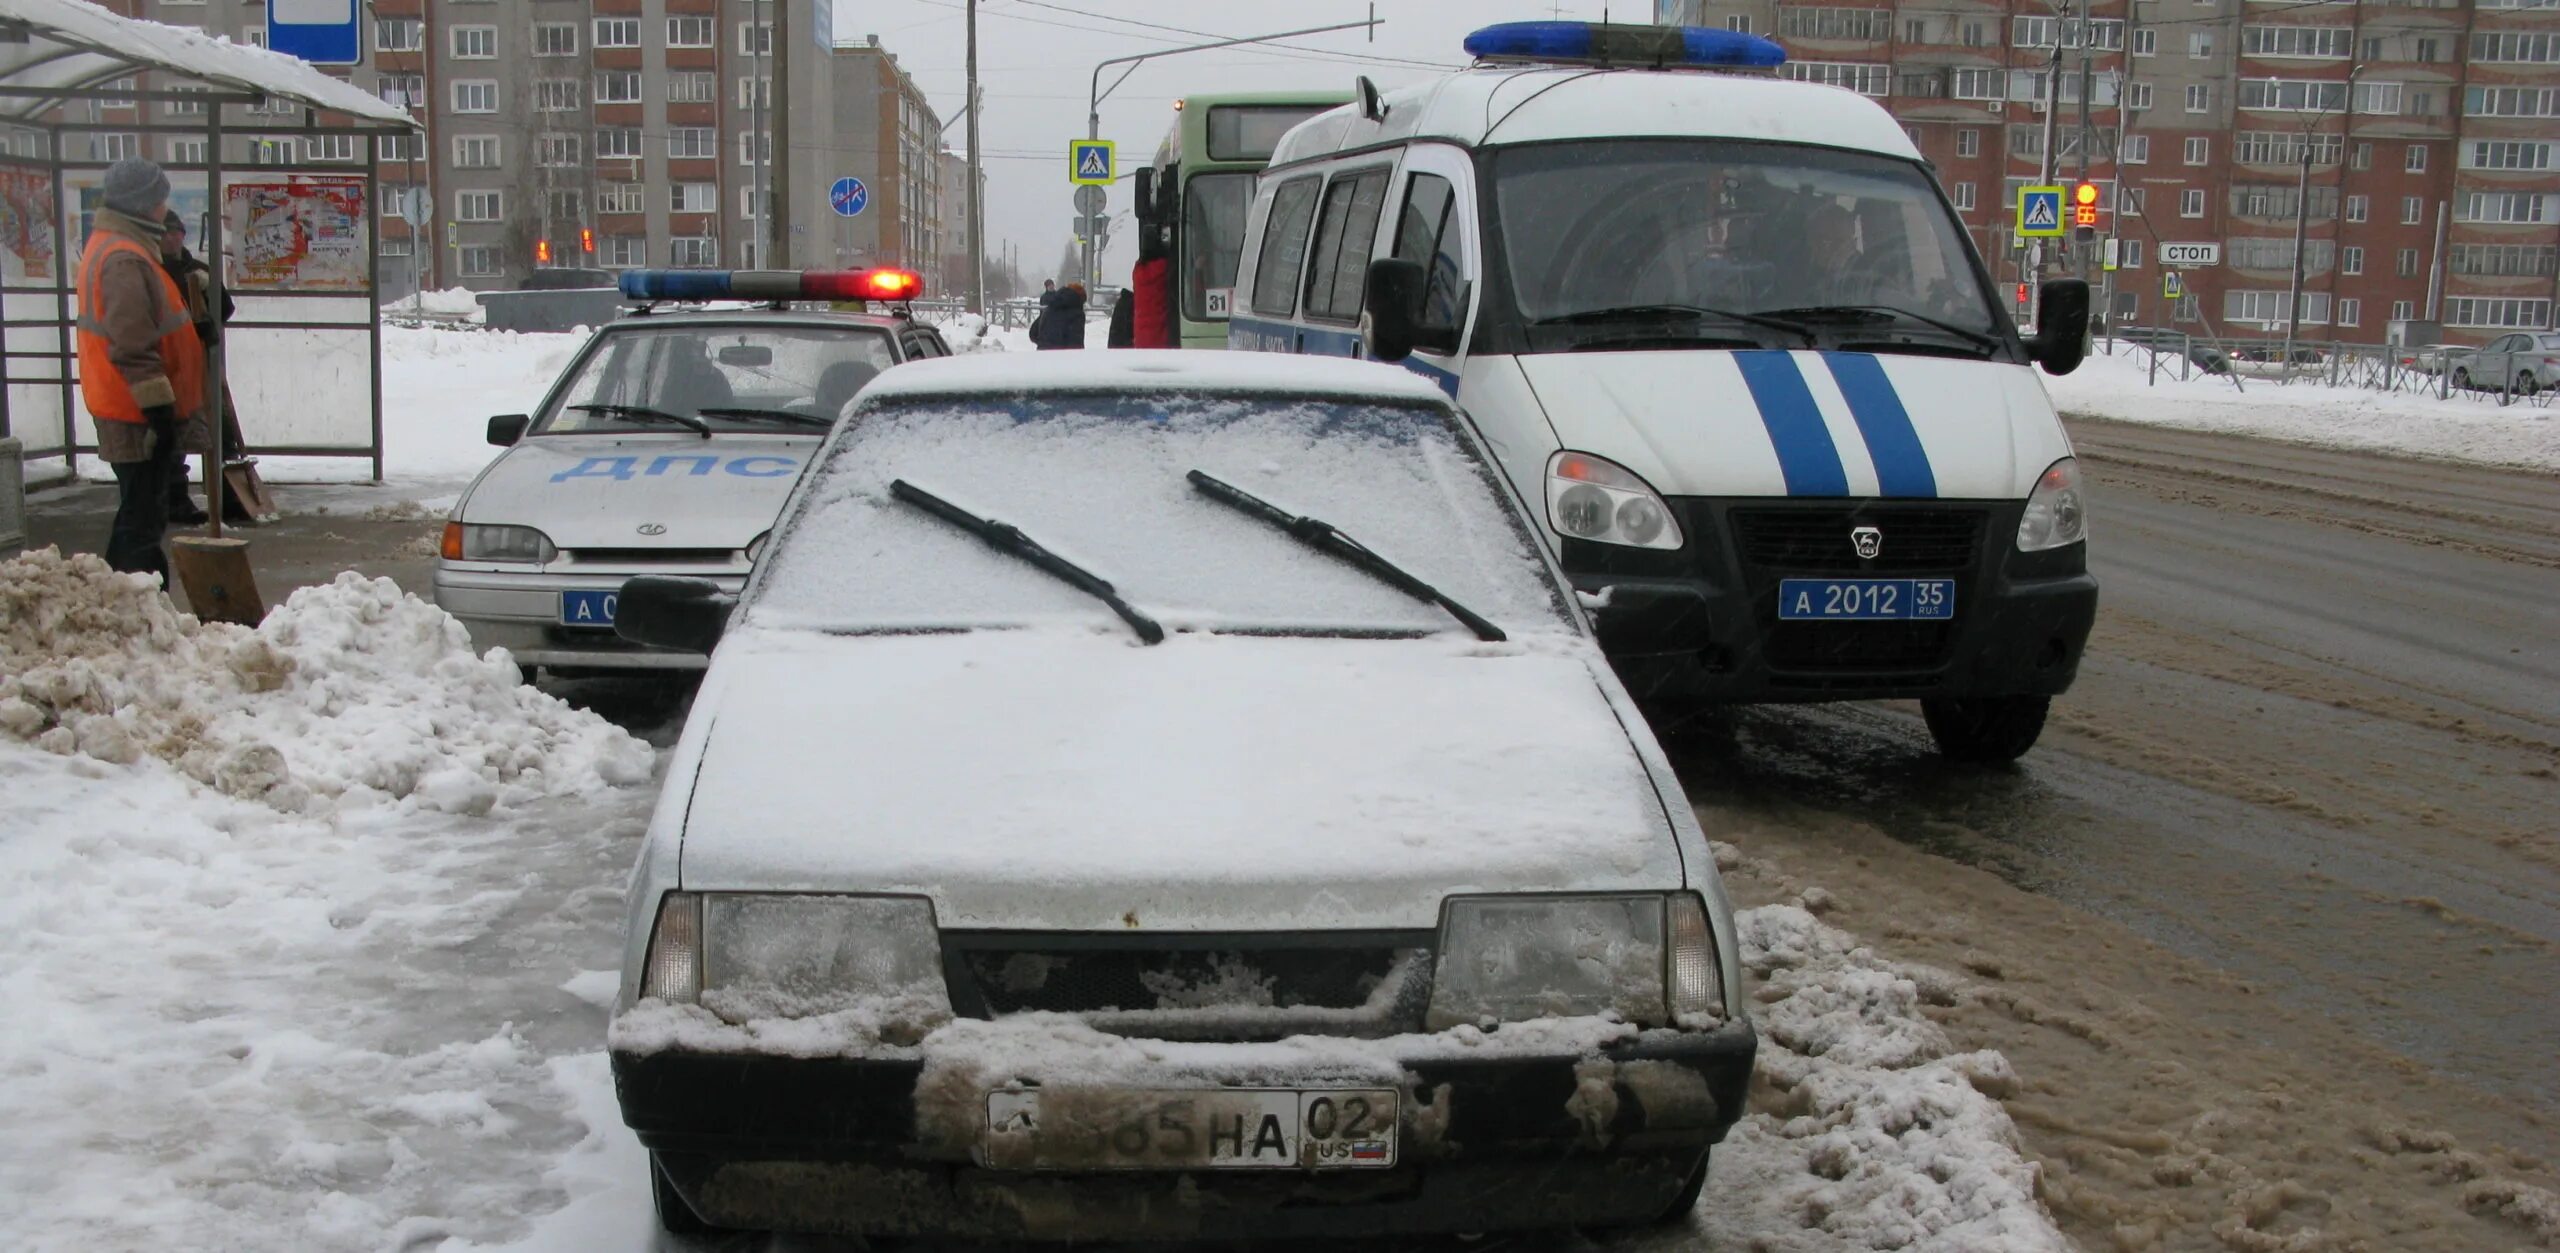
[755, 135]
[2302, 205]
[977, 180]
[777, 203]
[2080, 252]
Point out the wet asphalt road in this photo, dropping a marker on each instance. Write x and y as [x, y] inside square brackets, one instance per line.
[2315, 744]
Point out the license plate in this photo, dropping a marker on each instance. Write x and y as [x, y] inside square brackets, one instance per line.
[593, 609]
[1867, 600]
[1191, 1129]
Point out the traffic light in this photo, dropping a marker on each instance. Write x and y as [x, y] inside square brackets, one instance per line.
[587, 240]
[2022, 295]
[542, 252]
[2084, 204]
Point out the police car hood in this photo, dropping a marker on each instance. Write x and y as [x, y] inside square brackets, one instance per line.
[1808, 424]
[1077, 780]
[600, 491]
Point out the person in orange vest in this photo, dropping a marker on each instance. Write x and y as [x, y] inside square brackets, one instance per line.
[141, 365]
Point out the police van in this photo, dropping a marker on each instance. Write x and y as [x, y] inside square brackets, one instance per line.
[1731, 343]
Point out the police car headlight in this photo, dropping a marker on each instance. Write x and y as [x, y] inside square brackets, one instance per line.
[2055, 515]
[1595, 499]
[752, 955]
[465, 541]
[1647, 957]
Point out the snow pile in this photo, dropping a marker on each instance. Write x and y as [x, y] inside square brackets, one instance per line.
[450, 302]
[970, 333]
[1873, 1132]
[2462, 427]
[348, 695]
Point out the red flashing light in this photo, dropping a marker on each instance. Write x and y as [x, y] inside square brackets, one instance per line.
[542, 252]
[2022, 294]
[587, 240]
[861, 285]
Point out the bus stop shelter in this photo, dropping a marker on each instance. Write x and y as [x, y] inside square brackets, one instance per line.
[288, 224]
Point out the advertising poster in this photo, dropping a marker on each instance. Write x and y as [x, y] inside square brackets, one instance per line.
[302, 234]
[26, 222]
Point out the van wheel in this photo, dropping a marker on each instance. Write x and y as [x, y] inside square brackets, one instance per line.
[1986, 729]
[674, 1213]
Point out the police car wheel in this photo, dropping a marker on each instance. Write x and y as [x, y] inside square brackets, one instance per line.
[674, 1213]
[1986, 729]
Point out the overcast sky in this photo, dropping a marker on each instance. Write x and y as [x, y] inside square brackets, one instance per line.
[1036, 58]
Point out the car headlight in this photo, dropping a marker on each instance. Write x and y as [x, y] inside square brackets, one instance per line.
[1599, 500]
[466, 541]
[751, 955]
[2055, 514]
[1650, 958]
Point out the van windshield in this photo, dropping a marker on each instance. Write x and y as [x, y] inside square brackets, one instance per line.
[1733, 227]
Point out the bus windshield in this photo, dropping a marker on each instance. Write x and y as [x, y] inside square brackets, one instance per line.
[1745, 228]
[1213, 221]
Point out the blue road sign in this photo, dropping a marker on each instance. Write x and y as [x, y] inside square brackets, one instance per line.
[847, 196]
[322, 32]
[1089, 162]
[2040, 211]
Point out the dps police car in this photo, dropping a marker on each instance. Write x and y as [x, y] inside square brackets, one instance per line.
[666, 447]
[1728, 332]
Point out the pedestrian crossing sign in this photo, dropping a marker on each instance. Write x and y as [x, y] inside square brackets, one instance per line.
[2173, 285]
[2040, 212]
[1089, 162]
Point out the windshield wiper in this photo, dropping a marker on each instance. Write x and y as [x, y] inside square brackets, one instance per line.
[780, 415]
[1640, 313]
[695, 425]
[1326, 538]
[1886, 313]
[1013, 543]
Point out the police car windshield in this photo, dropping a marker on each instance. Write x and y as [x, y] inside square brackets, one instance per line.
[726, 376]
[1723, 225]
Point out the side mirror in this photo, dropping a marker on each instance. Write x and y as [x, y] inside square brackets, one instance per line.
[689, 614]
[1144, 183]
[2062, 325]
[1391, 324]
[506, 429]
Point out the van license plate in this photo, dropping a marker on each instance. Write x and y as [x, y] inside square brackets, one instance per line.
[589, 609]
[1866, 600]
[1191, 1129]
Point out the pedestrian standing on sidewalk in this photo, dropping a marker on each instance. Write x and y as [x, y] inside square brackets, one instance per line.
[141, 365]
[195, 278]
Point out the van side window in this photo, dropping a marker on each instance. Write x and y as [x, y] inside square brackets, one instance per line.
[1345, 231]
[1284, 247]
[1426, 232]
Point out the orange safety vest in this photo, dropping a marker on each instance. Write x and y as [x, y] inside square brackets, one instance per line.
[102, 385]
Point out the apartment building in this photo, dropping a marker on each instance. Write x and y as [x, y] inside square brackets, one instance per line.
[955, 220]
[610, 133]
[2430, 127]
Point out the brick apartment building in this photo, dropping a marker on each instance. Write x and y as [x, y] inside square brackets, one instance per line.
[647, 126]
[2433, 129]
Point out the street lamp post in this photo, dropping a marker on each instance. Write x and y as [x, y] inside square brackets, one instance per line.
[2302, 206]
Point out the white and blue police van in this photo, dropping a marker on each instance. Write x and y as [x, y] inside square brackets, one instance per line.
[1732, 344]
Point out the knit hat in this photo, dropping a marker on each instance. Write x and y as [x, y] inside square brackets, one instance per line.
[135, 186]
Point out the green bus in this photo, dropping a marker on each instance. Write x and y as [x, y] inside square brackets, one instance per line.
[1193, 200]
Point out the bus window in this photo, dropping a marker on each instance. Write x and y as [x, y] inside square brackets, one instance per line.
[1425, 233]
[1350, 225]
[1214, 208]
[1284, 247]
[1251, 132]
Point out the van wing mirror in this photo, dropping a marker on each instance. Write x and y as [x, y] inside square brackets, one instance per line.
[1144, 183]
[507, 428]
[1391, 313]
[2062, 325]
[688, 614]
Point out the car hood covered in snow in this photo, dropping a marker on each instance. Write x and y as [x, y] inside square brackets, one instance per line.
[597, 491]
[1061, 780]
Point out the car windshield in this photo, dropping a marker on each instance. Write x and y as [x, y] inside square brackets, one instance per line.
[1101, 481]
[1741, 228]
[727, 376]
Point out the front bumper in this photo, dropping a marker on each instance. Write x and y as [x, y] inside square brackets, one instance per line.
[1505, 1142]
[519, 610]
[1700, 624]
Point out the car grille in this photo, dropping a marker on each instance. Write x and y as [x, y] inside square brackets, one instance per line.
[1782, 542]
[1237, 992]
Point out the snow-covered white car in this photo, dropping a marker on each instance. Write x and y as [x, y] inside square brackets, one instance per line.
[666, 447]
[1165, 794]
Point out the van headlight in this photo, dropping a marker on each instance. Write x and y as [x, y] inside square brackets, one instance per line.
[750, 955]
[1650, 958]
[1599, 500]
[470, 541]
[2055, 514]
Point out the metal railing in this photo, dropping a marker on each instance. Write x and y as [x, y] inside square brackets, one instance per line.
[2431, 371]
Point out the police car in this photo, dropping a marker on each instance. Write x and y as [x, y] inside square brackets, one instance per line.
[666, 447]
[1728, 332]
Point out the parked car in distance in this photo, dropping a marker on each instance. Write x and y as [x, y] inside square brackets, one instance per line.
[2523, 363]
[1076, 838]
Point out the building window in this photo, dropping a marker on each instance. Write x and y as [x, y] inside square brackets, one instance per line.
[481, 261]
[1962, 194]
[686, 142]
[479, 206]
[752, 201]
[2284, 147]
[2283, 200]
[693, 87]
[186, 108]
[329, 148]
[2380, 99]
[2503, 207]
[2199, 97]
[274, 151]
[689, 32]
[474, 43]
[2146, 43]
[755, 147]
[2358, 207]
[402, 91]
[2137, 150]
[2329, 42]
[557, 150]
[398, 148]
[475, 95]
[395, 196]
[2407, 263]
[1739, 22]
[2200, 45]
[2191, 203]
[2132, 200]
[399, 34]
[1968, 143]
[2497, 312]
[555, 39]
[755, 39]
[2403, 310]
[2505, 260]
[2506, 155]
[755, 91]
[617, 32]
[2350, 311]
[694, 198]
[391, 247]
[2269, 306]
[186, 152]
[1868, 25]
[475, 152]
[2137, 96]
[2351, 260]
[2294, 95]
[618, 143]
[621, 198]
[2363, 158]
[568, 205]
[2413, 210]
[2105, 34]
[2277, 254]
[2511, 101]
[2129, 254]
[1857, 76]
[693, 251]
[555, 95]
[254, 36]
[2537, 47]
[1978, 84]
[2199, 150]
[625, 251]
[618, 87]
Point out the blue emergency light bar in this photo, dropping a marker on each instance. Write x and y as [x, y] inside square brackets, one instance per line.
[875, 284]
[1606, 43]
